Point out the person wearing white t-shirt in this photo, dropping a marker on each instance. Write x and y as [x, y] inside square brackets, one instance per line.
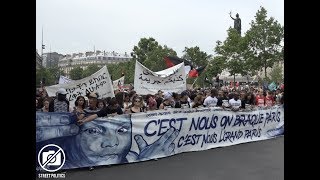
[211, 101]
[235, 102]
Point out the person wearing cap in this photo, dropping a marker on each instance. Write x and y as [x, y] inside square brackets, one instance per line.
[60, 102]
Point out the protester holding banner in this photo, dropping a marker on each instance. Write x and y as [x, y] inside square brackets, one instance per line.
[235, 102]
[198, 101]
[176, 99]
[278, 96]
[159, 98]
[126, 101]
[184, 102]
[211, 101]
[37, 104]
[132, 94]
[101, 104]
[221, 97]
[112, 109]
[45, 107]
[269, 99]
[250, 99]
[260, 99]
[93, 104]
[151, 103]
[40, 96]
[243, 95]
[168, 101]
[136, 106]
[80, 105]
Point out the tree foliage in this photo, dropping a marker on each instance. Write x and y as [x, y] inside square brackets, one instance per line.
[150, 53]
[92, 68]
[50, 75]
[196, 56]
[264, 42]
[216, 66]
[76, 73]
[116, 70]
[276, 74]
[259, 49]
[233, 52]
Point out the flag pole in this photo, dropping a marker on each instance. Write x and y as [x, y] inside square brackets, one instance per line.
[194, 82]
[42, 43]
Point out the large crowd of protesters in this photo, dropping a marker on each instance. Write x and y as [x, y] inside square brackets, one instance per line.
[89, 107]
[128, 101]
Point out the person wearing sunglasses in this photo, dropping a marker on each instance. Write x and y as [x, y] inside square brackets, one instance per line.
[137, 105]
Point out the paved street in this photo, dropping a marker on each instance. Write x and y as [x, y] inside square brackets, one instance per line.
[262, 160]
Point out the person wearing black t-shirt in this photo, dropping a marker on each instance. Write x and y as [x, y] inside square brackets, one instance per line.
[184, 103]
[136, 106]
[221, 96]
[176, 98]
[243, 95]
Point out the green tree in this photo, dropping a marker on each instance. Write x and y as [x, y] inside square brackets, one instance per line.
[216, 66]
[151, 54]
[196, 56]
[155, 61]
[55, 73]
[116, 70]
[141, 51]
[50, 75]
[91, 69]
[233, 51]
[276, 74]
[264, 37]
[128, 70]
[76, 73]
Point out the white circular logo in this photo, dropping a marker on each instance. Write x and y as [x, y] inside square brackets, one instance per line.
[51, 158]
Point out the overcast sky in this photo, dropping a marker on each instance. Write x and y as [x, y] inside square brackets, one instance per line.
[71, 26]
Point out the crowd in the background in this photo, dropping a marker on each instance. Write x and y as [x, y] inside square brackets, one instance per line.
[128, 101]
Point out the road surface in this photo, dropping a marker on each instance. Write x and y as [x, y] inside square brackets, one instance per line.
[261, 160]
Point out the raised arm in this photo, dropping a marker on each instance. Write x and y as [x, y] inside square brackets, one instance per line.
[231, 16]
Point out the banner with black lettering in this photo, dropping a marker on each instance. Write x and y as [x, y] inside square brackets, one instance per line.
[98, 82]
[143, 136]
[172, 79]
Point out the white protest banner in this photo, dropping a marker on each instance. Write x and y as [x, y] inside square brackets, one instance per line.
[205, 128]
[98, 82]
[187, 69]
[155, 134]
[64, 80]
[172, 79]
[118, 84]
